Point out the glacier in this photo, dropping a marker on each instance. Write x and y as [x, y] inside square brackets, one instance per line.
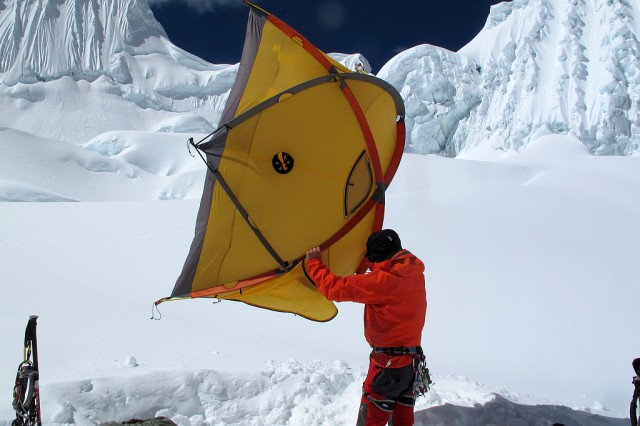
[568, 66]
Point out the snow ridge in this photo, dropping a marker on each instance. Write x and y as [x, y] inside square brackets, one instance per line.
[74, 60]
[285, 393]
[47, 39]
[501, 11]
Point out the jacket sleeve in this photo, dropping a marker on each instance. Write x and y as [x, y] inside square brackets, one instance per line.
[361, 288]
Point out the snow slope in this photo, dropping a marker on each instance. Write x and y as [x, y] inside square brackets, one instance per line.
[531, 278]
[113, 166]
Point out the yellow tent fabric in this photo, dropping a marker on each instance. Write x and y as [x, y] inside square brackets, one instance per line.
[291, 292]
[302, 157]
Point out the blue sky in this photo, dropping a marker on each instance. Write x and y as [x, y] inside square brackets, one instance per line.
[214, 29]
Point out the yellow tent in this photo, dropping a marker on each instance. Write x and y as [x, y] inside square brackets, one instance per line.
[302, 158]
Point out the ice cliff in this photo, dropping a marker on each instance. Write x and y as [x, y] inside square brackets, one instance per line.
[94, 66]
[562, 66]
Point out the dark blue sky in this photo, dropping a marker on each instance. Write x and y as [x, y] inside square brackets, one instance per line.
[377, 29]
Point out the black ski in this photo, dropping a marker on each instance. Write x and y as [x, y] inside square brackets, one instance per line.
[633, 409]
[26, 392]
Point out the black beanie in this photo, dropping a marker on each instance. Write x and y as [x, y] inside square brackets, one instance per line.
[382, 245]
[636, 366]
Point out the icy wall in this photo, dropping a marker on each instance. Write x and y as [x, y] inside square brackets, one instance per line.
[567, 66]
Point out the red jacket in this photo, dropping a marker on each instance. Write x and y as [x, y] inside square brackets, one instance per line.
[393, 293]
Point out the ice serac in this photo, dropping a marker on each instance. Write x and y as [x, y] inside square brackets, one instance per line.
[572, 66]
[46, 39]
[440, 89]
[565, 66]
[76, 60]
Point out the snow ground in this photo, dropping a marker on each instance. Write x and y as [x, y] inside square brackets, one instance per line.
[531, 276]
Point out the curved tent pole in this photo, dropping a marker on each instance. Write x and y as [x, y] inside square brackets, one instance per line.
[211, 147]
[381, 180]
[243, 212]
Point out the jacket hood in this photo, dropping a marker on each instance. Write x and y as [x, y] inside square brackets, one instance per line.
[395, 263]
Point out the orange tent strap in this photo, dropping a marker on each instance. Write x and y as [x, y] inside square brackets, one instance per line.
[366, 131]
[397, 154]
[209, 292]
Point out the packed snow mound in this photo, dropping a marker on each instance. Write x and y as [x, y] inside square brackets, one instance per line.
[568, 65]
[288, 393]
[285, 393]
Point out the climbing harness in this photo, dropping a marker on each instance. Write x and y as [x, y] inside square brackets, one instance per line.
[26, 393]
[422, 382]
